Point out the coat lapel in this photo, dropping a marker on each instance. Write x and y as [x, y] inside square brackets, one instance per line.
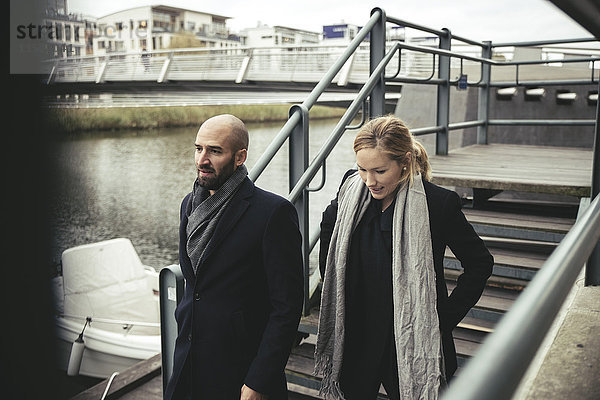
[230, 217]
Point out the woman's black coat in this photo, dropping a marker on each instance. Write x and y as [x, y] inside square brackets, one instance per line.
[449, 227]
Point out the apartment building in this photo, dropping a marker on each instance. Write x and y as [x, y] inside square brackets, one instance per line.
[277, 36]
[160, 27]
[64, 31]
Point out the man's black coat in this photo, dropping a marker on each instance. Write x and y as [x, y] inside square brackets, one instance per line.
[450, 228]
[239, 315]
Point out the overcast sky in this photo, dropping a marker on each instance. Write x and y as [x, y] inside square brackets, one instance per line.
[499, 21]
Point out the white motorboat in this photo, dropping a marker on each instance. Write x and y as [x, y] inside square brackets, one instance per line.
[109, 300]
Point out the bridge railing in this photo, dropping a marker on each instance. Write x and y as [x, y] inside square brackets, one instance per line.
[305, 63]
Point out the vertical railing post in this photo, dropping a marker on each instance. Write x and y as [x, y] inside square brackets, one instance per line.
[484, 94]
[377, 52]
[164, 72]
[592, 268]
[443, 97]
[241, 76]
[102, 69]
[170, 281]
[298, 163]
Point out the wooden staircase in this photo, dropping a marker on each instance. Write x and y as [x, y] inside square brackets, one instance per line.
[520, 237]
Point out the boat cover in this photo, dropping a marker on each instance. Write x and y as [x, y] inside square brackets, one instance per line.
[107, 280]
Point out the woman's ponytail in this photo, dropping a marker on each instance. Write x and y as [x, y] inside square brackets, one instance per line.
[422, 160]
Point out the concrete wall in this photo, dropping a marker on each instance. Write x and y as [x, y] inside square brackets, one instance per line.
[417, 107]
[546, 108]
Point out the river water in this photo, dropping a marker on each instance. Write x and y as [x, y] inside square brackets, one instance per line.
[131, 183]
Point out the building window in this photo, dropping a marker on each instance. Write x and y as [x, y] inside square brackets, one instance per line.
[119, 45]
[101, 44]
[143, 44]
[160, 20]
[68, 33]
[119, 26]
[59, 28]
[143, 24]
[77, 34]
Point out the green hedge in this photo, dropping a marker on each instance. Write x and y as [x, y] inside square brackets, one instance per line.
[72, 120]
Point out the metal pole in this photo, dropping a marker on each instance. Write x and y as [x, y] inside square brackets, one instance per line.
[443, 97]
[484, 95]
[592, 268]
[377, 52]
[298, 163]
[170, 281]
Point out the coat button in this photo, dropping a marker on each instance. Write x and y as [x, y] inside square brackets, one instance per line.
[190, 337]
[197, 296]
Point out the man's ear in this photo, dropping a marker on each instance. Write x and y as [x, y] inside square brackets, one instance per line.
[240, 157]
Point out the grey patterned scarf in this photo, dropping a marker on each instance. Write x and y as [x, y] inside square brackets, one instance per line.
[204, 211]
[416, 327]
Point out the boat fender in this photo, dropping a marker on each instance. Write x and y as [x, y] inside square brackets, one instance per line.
[77, 353]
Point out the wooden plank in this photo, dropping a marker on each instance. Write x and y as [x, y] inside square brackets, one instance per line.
[152, 389]
[298, 364]
[126, 381]
[533, 222]
[516, 167]
[506, 257]
[492, 299]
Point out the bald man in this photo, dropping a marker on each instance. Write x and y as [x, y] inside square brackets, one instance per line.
[240, 254]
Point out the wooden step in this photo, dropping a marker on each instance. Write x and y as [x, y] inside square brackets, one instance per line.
[518, 226]
[517, 264]
[300, 365]
[491, 307]
[494, 302]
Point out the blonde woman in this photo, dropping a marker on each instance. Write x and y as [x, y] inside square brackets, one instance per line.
[386, 317]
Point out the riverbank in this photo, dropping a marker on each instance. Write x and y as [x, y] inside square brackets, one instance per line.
[74, 120]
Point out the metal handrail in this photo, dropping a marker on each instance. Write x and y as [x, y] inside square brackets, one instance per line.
[448, 53]
[495, 372]
[542, 122]
[108, 384]
[544, 42]
[312, 98]
[340, 128]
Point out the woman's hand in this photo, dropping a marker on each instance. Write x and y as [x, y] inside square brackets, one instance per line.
[249, 394]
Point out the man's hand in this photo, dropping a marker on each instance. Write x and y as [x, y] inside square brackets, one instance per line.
[249, 394]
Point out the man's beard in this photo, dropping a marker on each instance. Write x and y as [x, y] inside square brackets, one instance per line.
[216, 181]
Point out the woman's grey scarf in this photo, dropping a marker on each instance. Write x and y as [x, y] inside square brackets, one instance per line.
[204, 211]
[416, 327]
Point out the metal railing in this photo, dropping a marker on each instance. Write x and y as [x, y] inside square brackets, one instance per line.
[581, 240]
[370, 100]
[495, 371]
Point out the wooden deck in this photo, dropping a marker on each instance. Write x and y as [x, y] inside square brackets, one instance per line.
[538, 169]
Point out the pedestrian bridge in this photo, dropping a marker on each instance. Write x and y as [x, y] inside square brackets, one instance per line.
[296, 66]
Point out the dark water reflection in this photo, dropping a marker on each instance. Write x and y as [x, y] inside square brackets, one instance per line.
[130, 184]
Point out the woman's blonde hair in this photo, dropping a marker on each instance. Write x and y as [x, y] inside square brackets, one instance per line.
[390, 135]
